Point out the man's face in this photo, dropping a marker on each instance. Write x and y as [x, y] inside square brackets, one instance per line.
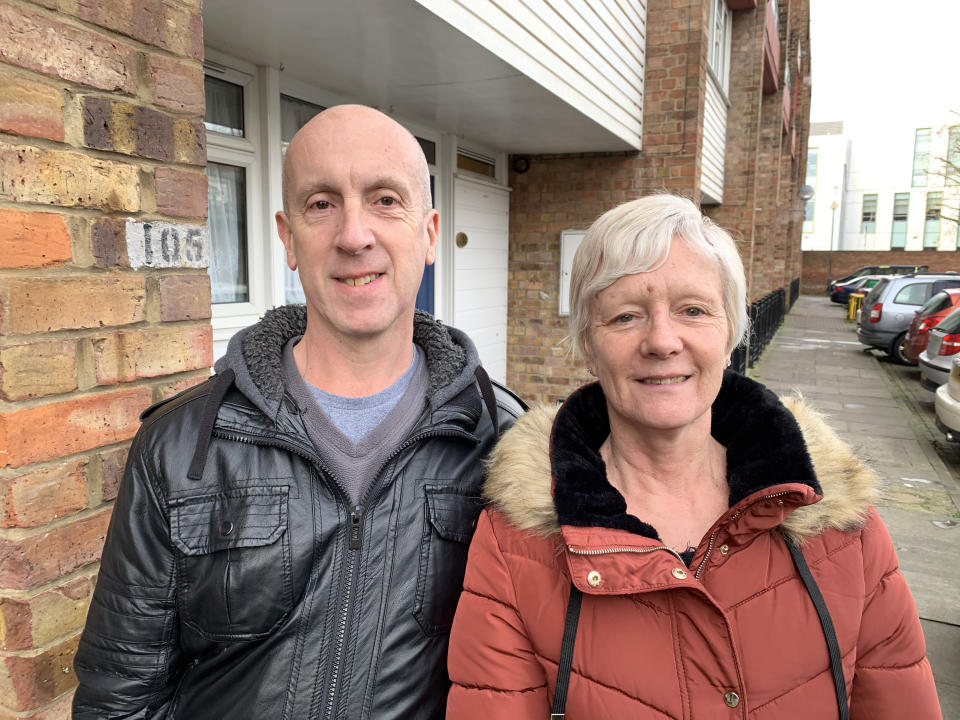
[355, 226]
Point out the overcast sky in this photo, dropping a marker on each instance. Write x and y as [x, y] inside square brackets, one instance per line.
[884, 63]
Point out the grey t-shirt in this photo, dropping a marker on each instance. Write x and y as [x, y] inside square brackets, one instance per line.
[355, 436]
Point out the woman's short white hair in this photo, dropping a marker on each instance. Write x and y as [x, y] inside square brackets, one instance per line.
[635, 237]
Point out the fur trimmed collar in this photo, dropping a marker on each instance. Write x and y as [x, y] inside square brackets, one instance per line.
[255, 354]
[547, 470]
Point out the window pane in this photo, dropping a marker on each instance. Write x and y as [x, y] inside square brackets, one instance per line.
[921, 157]
[227, 221]
[898, 231]
[429, 148]
[868, 223]
[224, 112]
[931, 224]
[294, 114]
[915, 294]
[953, 156]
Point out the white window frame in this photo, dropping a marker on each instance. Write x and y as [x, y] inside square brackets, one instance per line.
[718, 55]
[243, 152]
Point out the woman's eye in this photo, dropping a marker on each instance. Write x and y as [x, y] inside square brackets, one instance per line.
[693, 312]
[625, 318]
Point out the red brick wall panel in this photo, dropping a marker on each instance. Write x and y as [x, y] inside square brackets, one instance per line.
[817, 262]
[44, 304]
[184, 297]
[37, 369]
[56, 429]
[28, 681]
[38, 558]
[132, 354]
[177, 85]
[40, 619]
[36, 41]
[68, 179]
[32, 239]
[43, 495]
[181, 193]
[30, 108]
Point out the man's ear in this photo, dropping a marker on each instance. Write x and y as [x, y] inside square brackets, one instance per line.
[432, 223]
[286, 237]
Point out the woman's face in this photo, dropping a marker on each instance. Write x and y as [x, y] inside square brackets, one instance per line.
[657, 343]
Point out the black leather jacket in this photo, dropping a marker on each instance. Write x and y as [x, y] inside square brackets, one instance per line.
[238, 582]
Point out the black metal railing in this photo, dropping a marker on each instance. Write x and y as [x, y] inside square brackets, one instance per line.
[766, 316]
[794, 291]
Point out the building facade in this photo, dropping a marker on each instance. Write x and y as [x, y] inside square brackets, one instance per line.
[140, 152]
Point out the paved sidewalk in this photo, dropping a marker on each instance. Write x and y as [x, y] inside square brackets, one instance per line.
[874, 408]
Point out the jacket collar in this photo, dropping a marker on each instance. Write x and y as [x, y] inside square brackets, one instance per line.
[255, 354]
[770, 445]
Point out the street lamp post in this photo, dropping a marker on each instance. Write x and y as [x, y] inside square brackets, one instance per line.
[833, 216]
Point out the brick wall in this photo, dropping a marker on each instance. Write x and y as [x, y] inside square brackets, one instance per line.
[101, 138]
[760, 208]
[817, 262]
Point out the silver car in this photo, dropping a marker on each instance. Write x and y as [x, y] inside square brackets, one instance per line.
[889, 307]
[943, 344]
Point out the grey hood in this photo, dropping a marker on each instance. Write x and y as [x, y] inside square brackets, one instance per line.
[255, 354]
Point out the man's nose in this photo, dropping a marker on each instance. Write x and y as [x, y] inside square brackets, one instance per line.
[355, 233]
[662, 338]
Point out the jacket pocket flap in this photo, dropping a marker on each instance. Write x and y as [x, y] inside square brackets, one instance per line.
[251, 517]
[453, 516]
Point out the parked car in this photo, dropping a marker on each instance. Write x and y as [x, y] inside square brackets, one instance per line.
[889, 307]
[935, 310]
[942, 344]
[947, 403]
[842, 291]
[877, 270]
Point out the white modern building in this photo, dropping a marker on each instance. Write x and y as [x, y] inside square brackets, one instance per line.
[896, 185]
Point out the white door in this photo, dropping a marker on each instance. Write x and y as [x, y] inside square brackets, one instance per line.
[482, 222]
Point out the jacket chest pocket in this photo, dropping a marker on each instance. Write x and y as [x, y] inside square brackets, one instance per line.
[450, 522]
[234, 561]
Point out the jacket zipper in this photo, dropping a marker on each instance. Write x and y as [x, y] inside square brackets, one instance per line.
[713, 535]
[354, 532]
[575, 551]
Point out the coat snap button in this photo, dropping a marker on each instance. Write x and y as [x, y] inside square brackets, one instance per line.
[594, 579]
[724, 549]
[226, 527]
[679, 573]
[731, 699]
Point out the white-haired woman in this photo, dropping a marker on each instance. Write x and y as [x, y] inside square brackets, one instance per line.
[691, 545]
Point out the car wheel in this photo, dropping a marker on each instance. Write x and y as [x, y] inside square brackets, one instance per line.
[896, 349]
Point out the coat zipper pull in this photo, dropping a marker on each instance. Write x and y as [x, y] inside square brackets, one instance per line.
[356, 527]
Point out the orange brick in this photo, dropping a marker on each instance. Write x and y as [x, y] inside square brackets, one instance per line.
[59, 709]
[43, 304]
[184, 297]
[40, 619]
[67, 179]
[61, 428]
[32, 239]
[38, 42]
[30, 108]
[40, 496]
[30, 681]
[37, 369]
[131, 354]
[168, 390]
[52, 553]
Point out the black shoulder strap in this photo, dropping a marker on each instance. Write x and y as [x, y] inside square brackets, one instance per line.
[557, 712]
[220, 386]
[486, 390]
[833, 648]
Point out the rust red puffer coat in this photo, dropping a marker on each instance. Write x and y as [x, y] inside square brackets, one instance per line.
[735, 634]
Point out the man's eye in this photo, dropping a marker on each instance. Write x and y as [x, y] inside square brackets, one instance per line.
[321, 205]
[387, 201]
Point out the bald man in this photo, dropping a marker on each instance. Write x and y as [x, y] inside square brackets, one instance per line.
[290, 537]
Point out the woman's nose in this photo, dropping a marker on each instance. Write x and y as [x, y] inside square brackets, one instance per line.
[662, 338]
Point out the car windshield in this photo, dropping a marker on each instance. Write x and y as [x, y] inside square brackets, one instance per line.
[951, 323]
[938, 302]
